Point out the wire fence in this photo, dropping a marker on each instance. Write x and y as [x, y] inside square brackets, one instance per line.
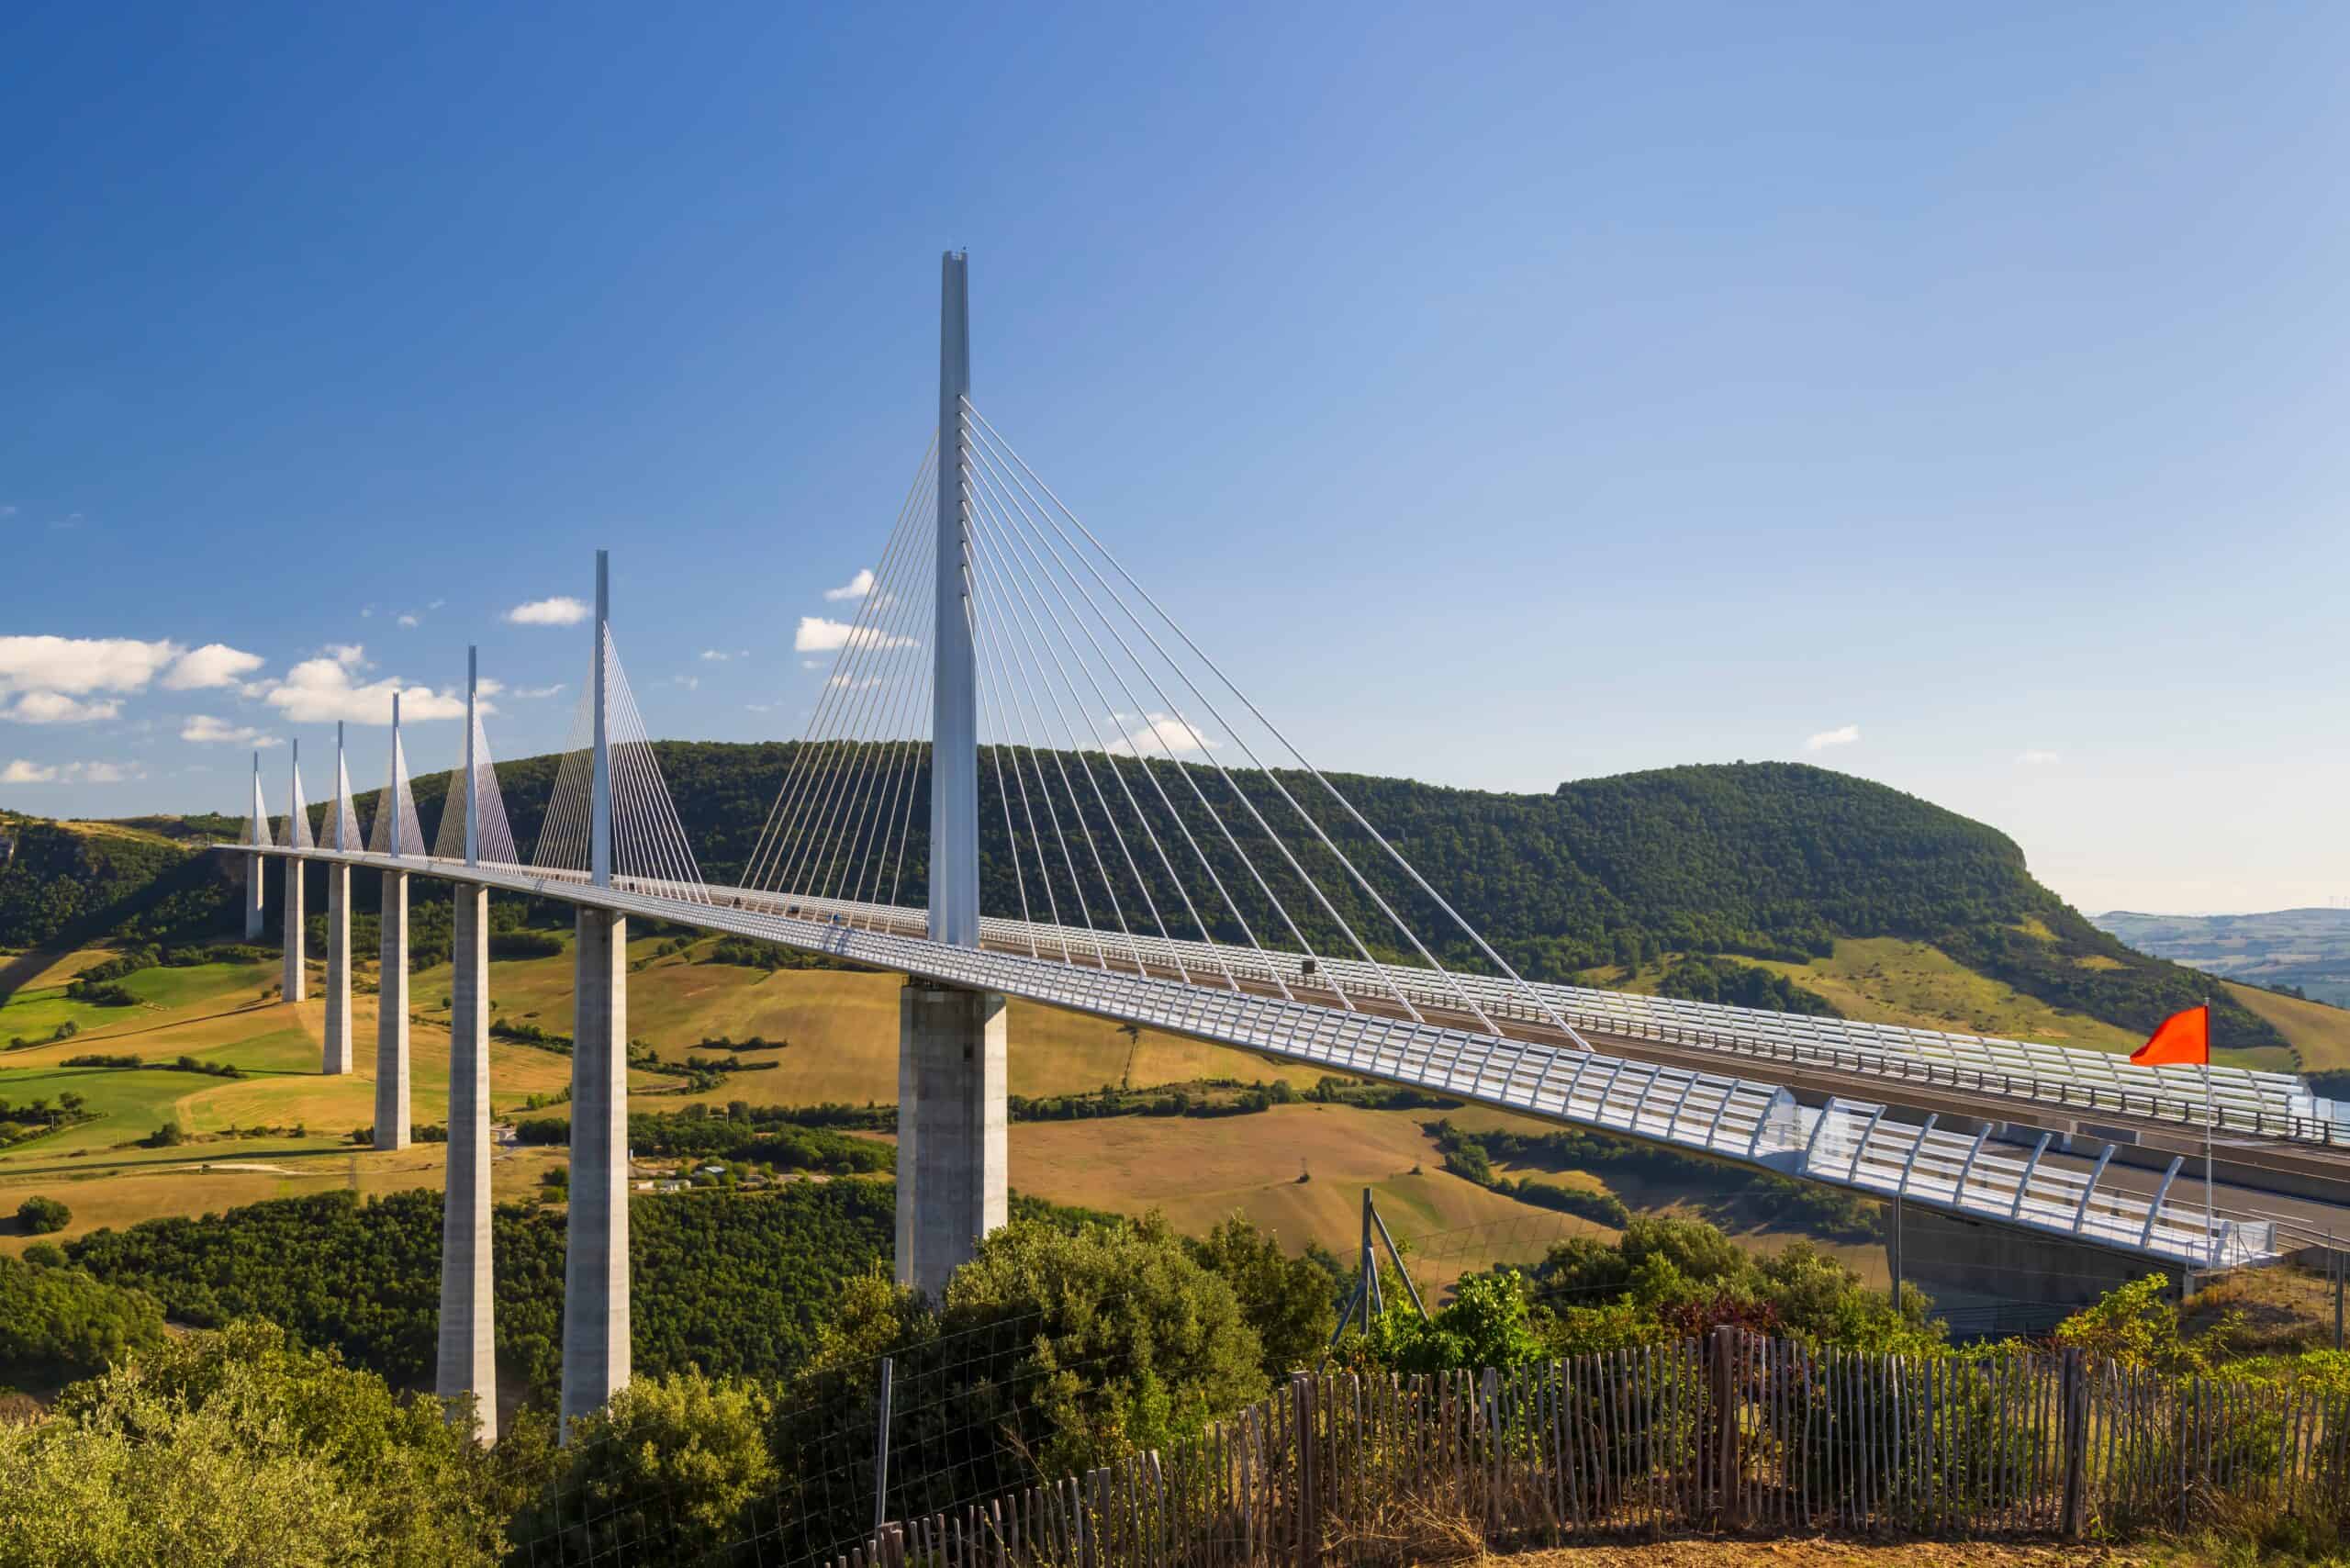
[1732, 1432]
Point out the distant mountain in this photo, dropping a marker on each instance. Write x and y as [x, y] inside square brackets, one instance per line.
[2304, 950]
[1762, 860]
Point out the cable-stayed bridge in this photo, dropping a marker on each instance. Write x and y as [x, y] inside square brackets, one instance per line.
[1025, 778]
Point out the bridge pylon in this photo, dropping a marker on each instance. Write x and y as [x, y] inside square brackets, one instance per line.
[952, 1042]
[257, 834]
[596, 1311]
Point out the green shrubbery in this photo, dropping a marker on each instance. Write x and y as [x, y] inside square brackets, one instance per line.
[43, 1217]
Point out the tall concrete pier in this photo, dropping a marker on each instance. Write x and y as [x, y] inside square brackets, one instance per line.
[296, 983]
[595, 1271]
[338, 1026]
[391, 1019]
[952, 1071]
[468, 1364]
[337, 1059]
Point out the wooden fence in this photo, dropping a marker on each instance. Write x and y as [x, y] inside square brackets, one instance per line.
[1735, 1432]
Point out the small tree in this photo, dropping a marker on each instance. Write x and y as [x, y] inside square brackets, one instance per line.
[41, 1216]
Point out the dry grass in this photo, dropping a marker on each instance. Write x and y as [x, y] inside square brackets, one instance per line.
[2321, 1034]
[1198, 1171]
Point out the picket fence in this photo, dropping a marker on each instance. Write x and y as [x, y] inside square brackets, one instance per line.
[1735, 1432]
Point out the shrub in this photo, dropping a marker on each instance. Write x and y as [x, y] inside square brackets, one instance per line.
[43, 1216]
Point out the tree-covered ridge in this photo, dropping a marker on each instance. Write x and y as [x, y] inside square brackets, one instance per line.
[1764, 859]
[63, 883]
[1759, 859]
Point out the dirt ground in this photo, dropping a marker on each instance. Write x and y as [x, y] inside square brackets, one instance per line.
[1829, 1554]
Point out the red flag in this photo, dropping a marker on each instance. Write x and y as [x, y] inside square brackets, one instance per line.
[2181, 1039]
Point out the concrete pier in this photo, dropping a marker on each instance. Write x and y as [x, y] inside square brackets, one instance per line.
[952, 1071]
[256, 867]
[468, 1362]
[296, 984]
[392, 1117]
[595, 1271]
[337, 1046]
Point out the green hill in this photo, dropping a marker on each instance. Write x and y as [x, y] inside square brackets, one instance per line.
[1771, 861]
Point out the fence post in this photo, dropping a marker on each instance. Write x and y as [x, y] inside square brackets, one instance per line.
[1309, 1524]
[1723, 1358]
[881, 1449]
[2073, 1521]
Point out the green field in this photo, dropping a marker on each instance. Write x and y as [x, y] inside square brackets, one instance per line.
[842, 1026]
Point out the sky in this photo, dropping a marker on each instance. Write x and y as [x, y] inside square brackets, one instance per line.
[1952, 396]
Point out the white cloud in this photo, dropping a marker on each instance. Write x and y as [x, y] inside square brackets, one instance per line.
[352, 654]
[759, 707]
[818, 636]
[81, 665]
[215, 663]
[2037, 759]
[720, 655]
[320, 690]
[690, 682]
[1844, 735]
[205, 730]
[436, 604]
[847, 684]
[530, 692]
[409, 618]
[811, 663]
[857, 586]
[1159, 734]
[49, 708]
[23, 772]
[560, 610]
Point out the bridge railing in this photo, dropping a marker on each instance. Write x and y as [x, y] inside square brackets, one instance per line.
[2267, 1105]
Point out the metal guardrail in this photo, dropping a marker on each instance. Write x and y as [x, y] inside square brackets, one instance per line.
[1737, 1119]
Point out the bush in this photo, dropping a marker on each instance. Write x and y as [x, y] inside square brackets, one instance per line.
[664, 1474]
[1132, 1344]
[43, 1217]
[235, 1447]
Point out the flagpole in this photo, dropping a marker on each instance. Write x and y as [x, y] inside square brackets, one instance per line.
[2210, 1215]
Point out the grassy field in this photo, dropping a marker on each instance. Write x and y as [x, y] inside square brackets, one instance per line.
[843, 1030]
[843, 1027]
[2321, 1034]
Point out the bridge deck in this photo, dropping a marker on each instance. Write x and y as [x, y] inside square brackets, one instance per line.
[1846, 1144]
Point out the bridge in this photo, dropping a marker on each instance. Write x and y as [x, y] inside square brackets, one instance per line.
[1026, 779]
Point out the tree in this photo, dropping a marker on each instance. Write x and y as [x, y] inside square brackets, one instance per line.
[61, 1318]
[1127, 1342]
[1287, 1300]
[234, 1448]
[664, 1474]
[43, 1216]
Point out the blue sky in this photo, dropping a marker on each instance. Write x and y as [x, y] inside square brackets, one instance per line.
[1512, 394]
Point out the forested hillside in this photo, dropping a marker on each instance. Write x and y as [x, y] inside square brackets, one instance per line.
[63, 883]
[1759, 859]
